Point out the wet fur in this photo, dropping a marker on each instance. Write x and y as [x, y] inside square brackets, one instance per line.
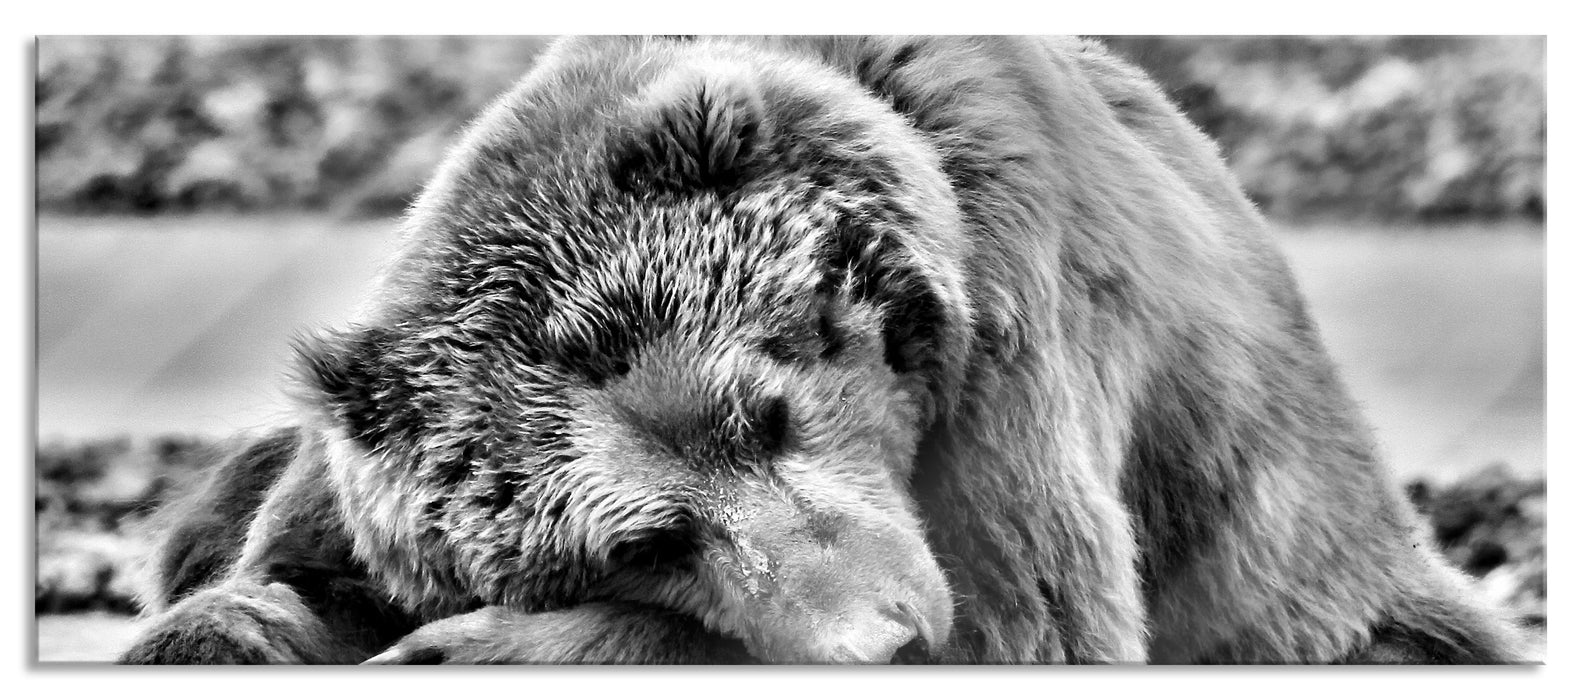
[1111, 430]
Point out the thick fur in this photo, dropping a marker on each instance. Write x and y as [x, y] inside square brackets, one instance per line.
[823, 349]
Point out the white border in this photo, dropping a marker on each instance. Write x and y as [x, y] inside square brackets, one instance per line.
[800, 16]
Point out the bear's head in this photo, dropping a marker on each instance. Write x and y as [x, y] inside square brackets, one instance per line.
[669, 327]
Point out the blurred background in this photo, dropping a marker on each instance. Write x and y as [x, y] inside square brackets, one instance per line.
[203, 199]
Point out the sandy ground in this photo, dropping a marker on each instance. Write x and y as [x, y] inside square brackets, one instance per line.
[92, 637]
[181, 325]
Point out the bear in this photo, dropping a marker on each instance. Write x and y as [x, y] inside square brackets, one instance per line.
[819, 350]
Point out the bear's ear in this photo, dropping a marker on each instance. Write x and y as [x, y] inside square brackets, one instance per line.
[694, 131]
[338, 378]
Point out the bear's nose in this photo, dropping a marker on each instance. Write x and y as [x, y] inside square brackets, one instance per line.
[918, 649]
[913, 652]
[900, 635]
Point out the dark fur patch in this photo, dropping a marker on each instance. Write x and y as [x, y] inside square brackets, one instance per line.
[1175, 485]
[702, 138]
[914, 315]
[208, 536]
[653, 550]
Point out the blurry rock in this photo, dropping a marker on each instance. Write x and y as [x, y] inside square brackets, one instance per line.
[1493, 525]
[91, 497]
[86, 570]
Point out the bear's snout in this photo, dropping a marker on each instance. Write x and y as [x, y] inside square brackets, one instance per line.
[870, 593]
[897, 635]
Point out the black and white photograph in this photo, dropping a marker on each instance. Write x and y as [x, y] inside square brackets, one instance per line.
[791, 350]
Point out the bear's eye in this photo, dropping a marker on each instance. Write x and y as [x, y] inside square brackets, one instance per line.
[781, 349]
[654, 549]
[828, 334]
[769, 426]
[819, 338]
